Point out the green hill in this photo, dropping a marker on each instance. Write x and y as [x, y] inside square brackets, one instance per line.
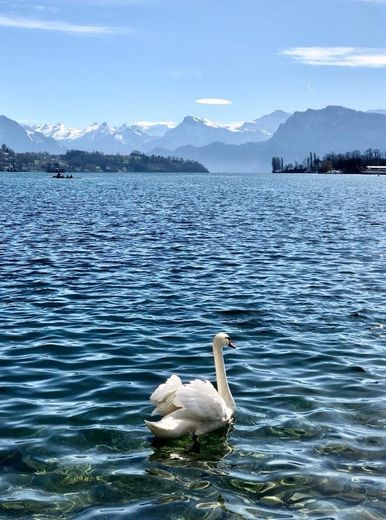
[79, 161]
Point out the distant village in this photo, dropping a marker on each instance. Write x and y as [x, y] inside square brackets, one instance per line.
[80, 161]
[369, 162]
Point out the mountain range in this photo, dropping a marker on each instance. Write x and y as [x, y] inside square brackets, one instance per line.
[331, 129]
[144, 137]
[246, 146]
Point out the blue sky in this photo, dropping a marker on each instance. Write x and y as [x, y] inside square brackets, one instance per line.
[121, 61]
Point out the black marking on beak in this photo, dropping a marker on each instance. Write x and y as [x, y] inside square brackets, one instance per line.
[231, 344]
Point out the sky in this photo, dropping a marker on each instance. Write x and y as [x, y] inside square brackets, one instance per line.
[122, 61]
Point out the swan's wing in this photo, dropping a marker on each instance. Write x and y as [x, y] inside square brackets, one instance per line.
[163, 396]
[200, 401]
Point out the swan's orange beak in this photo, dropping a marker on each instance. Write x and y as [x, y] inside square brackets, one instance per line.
[231, 344]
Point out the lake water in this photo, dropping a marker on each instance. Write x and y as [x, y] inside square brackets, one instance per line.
[112, 282]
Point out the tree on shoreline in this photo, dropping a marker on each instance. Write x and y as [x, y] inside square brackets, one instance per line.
[349, 162]
[80, 161]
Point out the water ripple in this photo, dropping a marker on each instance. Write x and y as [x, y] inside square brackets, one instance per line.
[112, 282]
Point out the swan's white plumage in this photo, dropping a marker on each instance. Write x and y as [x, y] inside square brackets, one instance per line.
[201, 401]
[164, 395]
[196, 407]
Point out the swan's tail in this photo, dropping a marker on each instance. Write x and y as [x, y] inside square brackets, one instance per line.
[171, 427]
[153, 428]
[163, 433]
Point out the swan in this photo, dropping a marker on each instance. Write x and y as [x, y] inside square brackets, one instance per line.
[197, 407]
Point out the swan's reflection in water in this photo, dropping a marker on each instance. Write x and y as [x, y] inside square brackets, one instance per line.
[210, 448]
[195, 469]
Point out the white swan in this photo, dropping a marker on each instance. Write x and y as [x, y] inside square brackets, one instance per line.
[197, 407]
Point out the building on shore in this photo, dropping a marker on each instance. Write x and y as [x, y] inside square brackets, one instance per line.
[377, 170]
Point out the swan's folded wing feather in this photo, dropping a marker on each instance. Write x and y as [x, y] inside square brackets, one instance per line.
[166, 388]
[163, 396]
[200, 400]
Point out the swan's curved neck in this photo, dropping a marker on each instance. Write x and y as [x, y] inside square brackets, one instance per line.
[221, 378]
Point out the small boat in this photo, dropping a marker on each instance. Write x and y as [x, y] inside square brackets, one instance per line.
[61, 176]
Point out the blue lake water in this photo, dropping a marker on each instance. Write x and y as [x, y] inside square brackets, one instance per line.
[111, 282]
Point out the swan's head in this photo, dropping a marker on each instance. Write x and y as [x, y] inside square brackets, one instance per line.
[222, 340]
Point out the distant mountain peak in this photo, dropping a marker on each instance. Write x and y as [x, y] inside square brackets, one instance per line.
[23, 139]
[191, 120]
[7, 119]
[330, 129]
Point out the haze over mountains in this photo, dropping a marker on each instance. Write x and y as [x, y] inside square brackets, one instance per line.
[191, 131]
[247, 146]
[332, 129]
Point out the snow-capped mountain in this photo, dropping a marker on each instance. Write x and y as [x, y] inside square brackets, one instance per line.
[96, 137]
[153, 129]
[267, 125]
[192, 130]
[20, 139]
[200, 132]
[103, 137]
[147, 136]
[331, 129]
[58, 131]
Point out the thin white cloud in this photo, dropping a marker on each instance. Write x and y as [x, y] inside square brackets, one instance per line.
[338, 56]
[54, 25]
[213, 101]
